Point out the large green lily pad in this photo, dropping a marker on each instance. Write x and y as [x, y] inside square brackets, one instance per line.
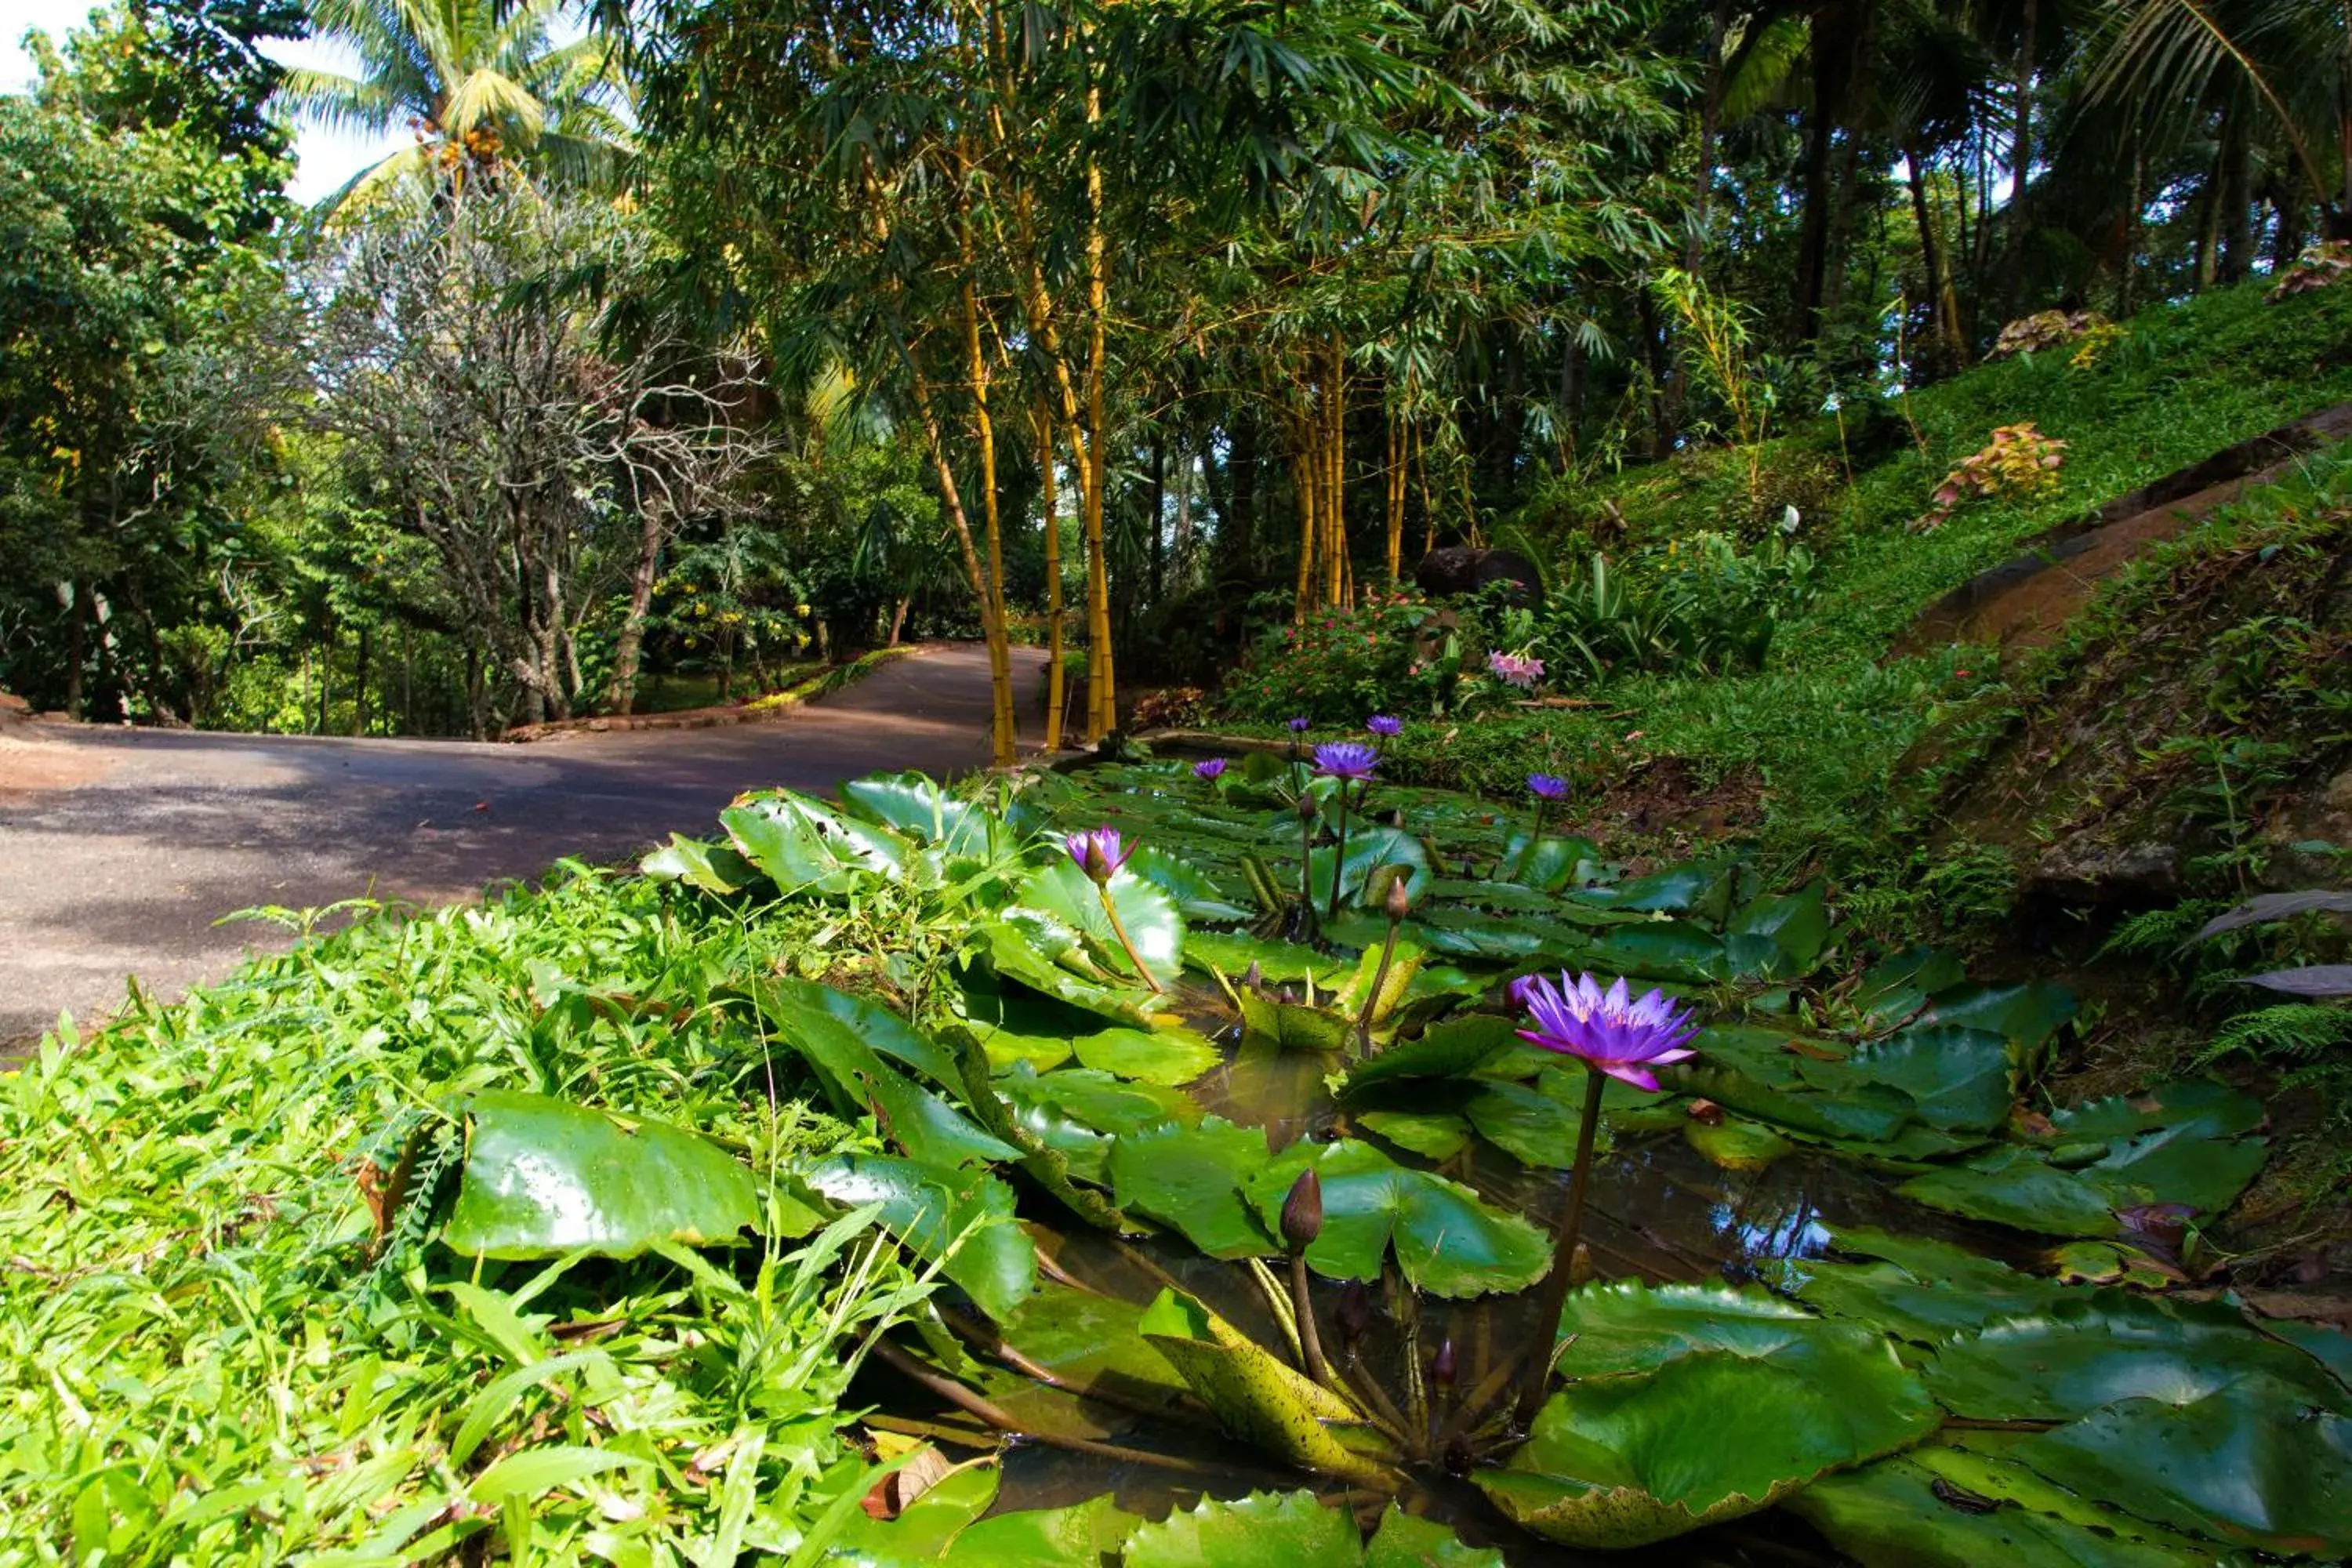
[1449, 1241]
[2013, 1186]
[961, 1219]
[544, 1177]
[1190, 1178]
[1710, 1435]
[1891, 1515]
[834, 1041]
[1153, 922]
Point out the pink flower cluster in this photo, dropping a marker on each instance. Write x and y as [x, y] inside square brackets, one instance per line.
[1519, 669]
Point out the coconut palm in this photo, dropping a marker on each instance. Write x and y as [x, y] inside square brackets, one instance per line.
[480, 83]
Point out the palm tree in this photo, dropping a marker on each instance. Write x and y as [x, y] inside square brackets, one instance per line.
[480, 82]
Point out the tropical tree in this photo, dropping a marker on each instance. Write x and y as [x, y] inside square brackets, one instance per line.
[480, 82]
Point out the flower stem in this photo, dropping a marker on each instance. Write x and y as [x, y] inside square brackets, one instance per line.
[1535, 837]
[1372, 1002]
[1554, 1289]
[1339, 854]
[1302, 1306]
[1118, 929]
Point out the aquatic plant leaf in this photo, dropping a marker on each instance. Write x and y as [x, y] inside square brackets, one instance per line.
[2027, 1014]
[1404, 1542]
[1736, 1144]
[544, 1177]
[1959, 1077]
[1899, 985]
[1919, 1289]
[801, 845]
[1433, 1135]
[713, 867]
[1099, 1101]
[1889, 1515]
[1014, 953]
[1264, 1530]
[1452, 1048]
[1536, 1126]
[1265, 1403]
[1294, 1025]
[965, 1217]
[1709, 1436]
[928, 1128]
[1675, 951]
[2200, 1105]
[923, 1529]
[1167, 1057]
[1190, 1178]
[919, 807]
[1460, 934]
[2251, 1462]
[2014, 1186]
[2264, 906]
[1778, 938]
[1984, 1464]
[885, 1031]
[1448, 1240]
[1153, 920]
[2091, 1349]
[2176, 1165]
[1372, 848]
[2331, 1347]
[1196, 894]
[1866, 1112]
[1547, 863]
[1279, 962]
[1087, 1343]
[1082, 1534]
[1625, 1326]
[1699, 888]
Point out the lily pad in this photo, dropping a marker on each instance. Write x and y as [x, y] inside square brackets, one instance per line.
[544, 1177]
[1959, 1077]
[1449, 1242]
[1294, 1025]
[1918, 1290]
[2026, 1014]
[1736, 1144]
[1197, 895]
[963, 1217]
[1015, 954]
[1452, 1048]
[1263, 1402]
[927, 1127]
[1279, 962]
[1190, 1178]
[1264, 1530]
[917, 806]
[1149, 916]
[1404, 1541]
[713, 867]
[2200, 1106]
[2251, 1462]
[1167, 1057]
[1709, 1436]
[1778, 938]
[877, 1026]
[1433, 1135]
[1891, 1515]
[1372, 848]
[1084, 1533]
[2096, 1348]
[2014, 1186]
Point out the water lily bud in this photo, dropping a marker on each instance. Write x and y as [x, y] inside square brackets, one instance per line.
[1302, 1212]
[1253, 977]
[1097, 865]
[1355, 1309]
[1400, 898]
[1305, 807]
[1441, 1371]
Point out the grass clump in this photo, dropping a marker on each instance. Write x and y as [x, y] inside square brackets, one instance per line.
[207, 1354]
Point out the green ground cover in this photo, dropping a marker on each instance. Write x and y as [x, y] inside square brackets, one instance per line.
[565, 1226]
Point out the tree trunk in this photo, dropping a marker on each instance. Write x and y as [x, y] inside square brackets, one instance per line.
[77, 648]
[1005, 741]
[2237, 200]
[1944, 340]
[1836, 35]
[629, 648]
[2021, 158]
[1153, 512]
[1102, 692]
[359, 683]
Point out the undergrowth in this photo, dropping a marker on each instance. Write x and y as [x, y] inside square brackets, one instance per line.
[209, 1353]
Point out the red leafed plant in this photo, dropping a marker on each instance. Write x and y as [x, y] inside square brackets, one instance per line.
[2019, 461]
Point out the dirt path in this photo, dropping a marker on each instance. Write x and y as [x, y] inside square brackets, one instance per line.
[120, 848]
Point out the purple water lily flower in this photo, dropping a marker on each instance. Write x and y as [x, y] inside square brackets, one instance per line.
[1301, 725]
[1546, 786]
[1386, 726]
[1346, 760]
[1609, 1032]
[1097, 851]
[1209, 771]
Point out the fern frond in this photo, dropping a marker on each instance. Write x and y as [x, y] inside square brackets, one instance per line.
[2293, 1031]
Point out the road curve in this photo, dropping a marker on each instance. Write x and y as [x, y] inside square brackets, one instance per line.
[120, 849]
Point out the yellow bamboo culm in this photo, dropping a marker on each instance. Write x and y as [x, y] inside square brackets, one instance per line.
[1056, 675]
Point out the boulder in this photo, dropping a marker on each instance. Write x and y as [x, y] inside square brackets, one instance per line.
[1458, 569]
[2082, 871]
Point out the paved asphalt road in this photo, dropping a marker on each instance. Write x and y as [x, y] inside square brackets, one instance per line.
[120, 848]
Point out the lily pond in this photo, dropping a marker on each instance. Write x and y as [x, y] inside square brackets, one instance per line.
[1262, 1182]
[1834, 1283]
